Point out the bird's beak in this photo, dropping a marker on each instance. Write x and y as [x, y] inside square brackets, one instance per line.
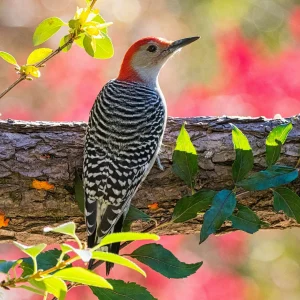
[174, 46]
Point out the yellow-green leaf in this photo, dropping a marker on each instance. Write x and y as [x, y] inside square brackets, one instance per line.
[126, 236]
[56, 287]
[80, 275]
[185, 161]
[117, 259]
[30, 70]
[46, 29]
[66, 228]
[104, 47]
[32, 251]
[87, 44]
[63, 41]
[38, 55]
[243, 162]
[275, 140]
[8, 58]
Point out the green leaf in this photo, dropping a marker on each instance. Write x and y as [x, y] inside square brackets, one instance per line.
[185, 161]
[30, 71]
[222, 207]
[287, 201]
[46, 29]
[87, 44]
[45, 261]
[31, 289]
[8, 58]
[79, 191]
[56, 287]
[133, 215]
[39, 284]
[104, 47]
[74, 24]
[63, 41]
[245, 219]
[38, 55]
[188, 207]
[5, 266]
[163, 261]
[100, 20]
[243, 162]
[80, 275]
[127, 236]
[32, 251]
[123, 291]
[272, 177]
[66, 228]
[275, 140]
[117, 259]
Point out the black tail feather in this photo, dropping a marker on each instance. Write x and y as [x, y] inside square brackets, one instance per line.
[112, 248]
[115, 247]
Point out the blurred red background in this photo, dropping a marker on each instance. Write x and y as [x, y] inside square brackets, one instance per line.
[246, 63]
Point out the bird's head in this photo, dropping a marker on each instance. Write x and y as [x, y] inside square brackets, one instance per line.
[145, 58]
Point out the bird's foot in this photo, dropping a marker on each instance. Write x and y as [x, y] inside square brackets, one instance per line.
[158, 162]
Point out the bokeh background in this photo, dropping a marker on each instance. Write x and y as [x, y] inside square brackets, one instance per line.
[247, 63]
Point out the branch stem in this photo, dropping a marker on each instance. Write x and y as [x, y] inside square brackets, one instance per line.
[37, 65]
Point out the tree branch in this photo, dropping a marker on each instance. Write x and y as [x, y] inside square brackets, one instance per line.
[52, 151]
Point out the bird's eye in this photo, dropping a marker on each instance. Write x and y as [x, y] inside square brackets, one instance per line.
[152, 48]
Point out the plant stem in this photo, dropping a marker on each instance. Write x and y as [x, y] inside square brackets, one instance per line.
[37, 65]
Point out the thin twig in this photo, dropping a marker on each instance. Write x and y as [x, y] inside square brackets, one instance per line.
[37, 65]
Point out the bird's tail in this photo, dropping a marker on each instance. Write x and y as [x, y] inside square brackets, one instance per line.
[112, 248]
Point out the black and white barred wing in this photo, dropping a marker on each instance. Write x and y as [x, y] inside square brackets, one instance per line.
[125, 129]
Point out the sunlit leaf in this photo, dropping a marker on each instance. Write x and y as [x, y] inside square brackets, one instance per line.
[127, 236]
[275, 140]
[272, 177]
[123, 291]
[101, 21]
[87, 44]
[32, 251]
[56, 287]
[185, 161]
[287, 201]
[222, 207]
[63, 41]
[66, 228]
[46, 29]
[245, 219]
[243, 162]
[80, 275]
[104, 47]
[133, 215]
[38, 55]
[117, 259]
[30, 71]
[8, 58]
[188, 207]
[163, 261]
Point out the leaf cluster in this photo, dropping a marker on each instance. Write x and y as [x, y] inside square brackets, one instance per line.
[87, 28]
[222, 206]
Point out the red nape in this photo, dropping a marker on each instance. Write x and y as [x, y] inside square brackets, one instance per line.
[127, 73]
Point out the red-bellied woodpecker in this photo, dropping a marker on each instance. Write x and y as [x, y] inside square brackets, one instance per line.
[123, 137]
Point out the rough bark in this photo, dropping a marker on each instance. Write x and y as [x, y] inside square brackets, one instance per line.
[52, 151]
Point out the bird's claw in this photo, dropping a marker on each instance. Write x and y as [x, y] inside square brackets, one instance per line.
[158, 162]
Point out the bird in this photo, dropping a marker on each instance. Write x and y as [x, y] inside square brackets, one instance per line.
[123, 137]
